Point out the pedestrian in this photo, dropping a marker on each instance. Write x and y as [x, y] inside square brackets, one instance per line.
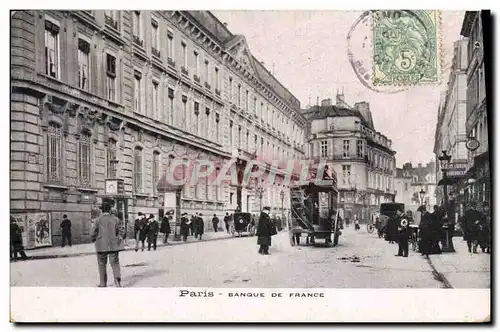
[265, 230]
[165, 227]
[16, 241]
[192, 224]
[403, 233]
[215, 222]
[436, 230]
[185, 226]
[199, 226]
[108, 236]
[425, 242]
[356, 223]
[140, 231]
[391, 229]
[485, 233]
[471, 215]
[378, 226]
[226, 221]
[152, 232]
[66, 230]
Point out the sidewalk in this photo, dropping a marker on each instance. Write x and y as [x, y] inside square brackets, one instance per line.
[89, 248]
[463, 269]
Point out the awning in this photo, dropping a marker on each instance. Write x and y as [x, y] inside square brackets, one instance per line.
[450, 180]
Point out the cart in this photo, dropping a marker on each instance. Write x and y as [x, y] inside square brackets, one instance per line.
[314, 213]
[243, 223]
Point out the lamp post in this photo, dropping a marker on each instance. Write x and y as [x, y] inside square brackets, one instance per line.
[260, 191]
[444, 160]
[421, 195]
[282, 196]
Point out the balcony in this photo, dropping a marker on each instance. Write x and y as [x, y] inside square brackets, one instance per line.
[110, 22]
[184, 71]
[171, 62]
[207, 86]
[155, 52]
[138, 41]
[196, 78]
[217, 92]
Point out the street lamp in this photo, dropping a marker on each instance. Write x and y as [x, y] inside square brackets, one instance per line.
[260, 191]
[422, 195]
[282, 196]
[444, 161]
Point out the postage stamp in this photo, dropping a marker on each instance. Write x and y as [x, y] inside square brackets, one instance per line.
[406, 47]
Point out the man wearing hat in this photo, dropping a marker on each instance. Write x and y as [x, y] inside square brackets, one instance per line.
[185, 225]
[265, 229]
[403, 233]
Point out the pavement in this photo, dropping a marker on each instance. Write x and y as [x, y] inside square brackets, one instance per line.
[89, 248]
[462, 269]
[361, 260]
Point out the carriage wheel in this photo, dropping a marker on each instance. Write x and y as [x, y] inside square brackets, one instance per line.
[370, 228]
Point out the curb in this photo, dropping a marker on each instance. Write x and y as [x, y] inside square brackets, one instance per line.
[53, 256]
[438, 275]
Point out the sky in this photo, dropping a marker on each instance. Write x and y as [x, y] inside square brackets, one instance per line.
[307, 50]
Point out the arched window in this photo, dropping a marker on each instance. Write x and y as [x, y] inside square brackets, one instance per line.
[156, 169]
[111, 159]
[138, 170]
[84, 160]
[54, 153]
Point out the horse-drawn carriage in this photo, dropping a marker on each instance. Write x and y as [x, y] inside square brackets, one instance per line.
[243, 223]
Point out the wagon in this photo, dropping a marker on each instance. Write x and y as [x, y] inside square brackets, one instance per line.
[242, 223]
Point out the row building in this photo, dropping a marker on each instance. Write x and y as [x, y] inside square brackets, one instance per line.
[102, 101]
[362, 157]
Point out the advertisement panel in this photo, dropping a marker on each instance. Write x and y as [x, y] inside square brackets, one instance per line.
[39, 228]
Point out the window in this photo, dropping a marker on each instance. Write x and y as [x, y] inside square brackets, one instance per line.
[324, 148]
[246, 100]
[231, 133]
[197, 64]
[84, 161]
[207, 72]
[83, 64]
[51, 49]
[155, 100]
[231, 89]
[240, 138]
[156, 170]
[137, 91]
[239, 95]
[184, 55]
[359, 148]
[217, 187]
[261, 109]
[155, 36]
[111, 159]
[345, 149]
[138, 170]
[136, 24]
[217, 127]
[255, 105]
[182, 118]
[110, 77]
[196, 113]
[255, 142]
[346, 174]
[247, 143]
[171, 106]
[217, 84]
[170, 45]
[54, 153]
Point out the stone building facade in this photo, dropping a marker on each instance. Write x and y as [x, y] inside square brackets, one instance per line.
[99, 95]
[362, 157]
[410, 180]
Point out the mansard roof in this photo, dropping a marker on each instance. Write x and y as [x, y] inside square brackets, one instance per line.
[321, 112]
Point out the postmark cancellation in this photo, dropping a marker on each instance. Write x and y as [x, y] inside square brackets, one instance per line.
[406, 47]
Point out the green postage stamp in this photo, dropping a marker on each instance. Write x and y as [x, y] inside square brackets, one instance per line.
[406, 47]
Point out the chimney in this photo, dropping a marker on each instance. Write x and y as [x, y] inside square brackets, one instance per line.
[364, 108]
[326, 102]
[340, 98]
[225, 24]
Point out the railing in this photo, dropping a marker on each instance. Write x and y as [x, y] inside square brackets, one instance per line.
[111, 22]
[217, 92]
[196, 78]
[184, 71]
[207, 85]
[170, 62]
[138, 41]
[155, 52]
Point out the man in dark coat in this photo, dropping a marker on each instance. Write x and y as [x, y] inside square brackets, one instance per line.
[66, 230]
[192, 224]
[108, 236]
[265, 229]
[185, 226]
[227, 221]
[16, 240]
[165, 227]
[140, 230]
[215, 222]
[436, 230]
[425, 231]
[392, 228]
[152, 232]
[471, 215]
[199, 227]
[403, 233]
